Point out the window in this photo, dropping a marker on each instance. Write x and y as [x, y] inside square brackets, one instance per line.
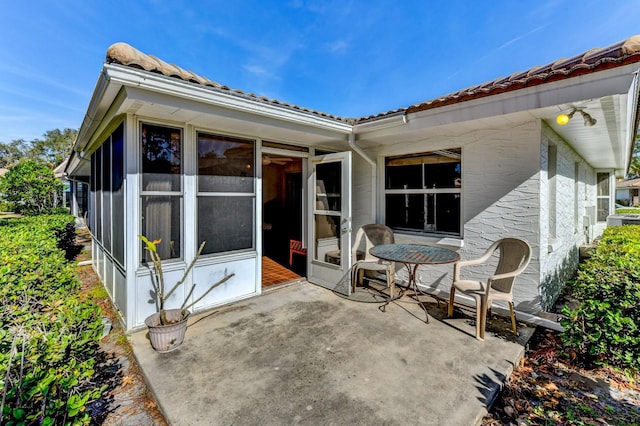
[81, 189]
[162, 188]
[117, 193]
[576, 193]
[552, 170]
[107, 196]
[97, 172]
[422, 192]
[603, 196]
[226, 193]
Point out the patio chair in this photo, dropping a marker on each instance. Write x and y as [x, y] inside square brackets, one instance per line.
[295, 247]
[373, 235]
[515, 255]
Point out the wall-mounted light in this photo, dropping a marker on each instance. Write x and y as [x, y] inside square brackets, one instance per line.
[563, 119]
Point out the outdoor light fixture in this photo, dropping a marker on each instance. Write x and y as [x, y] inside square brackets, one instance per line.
[563, 119]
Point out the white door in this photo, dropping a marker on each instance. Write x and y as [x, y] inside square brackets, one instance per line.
[329, 250]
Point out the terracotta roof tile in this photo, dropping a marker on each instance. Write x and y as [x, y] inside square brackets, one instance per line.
[621, 53]
[124, 54]
[618, 54]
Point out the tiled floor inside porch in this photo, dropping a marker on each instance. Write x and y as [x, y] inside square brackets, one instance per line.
[274, 273]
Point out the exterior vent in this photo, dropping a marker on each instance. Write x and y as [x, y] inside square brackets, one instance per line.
[623, 219]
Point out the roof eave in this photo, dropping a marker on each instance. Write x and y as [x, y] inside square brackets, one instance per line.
[128, 76]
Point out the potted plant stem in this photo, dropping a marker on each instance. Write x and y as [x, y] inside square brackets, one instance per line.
[167, 327]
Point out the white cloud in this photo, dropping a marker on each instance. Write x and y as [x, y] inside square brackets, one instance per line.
[26, 74]
[338, 46]
[255, 69]
[520, 37]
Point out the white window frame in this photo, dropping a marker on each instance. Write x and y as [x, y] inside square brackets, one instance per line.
[178, 194]
[424, 191]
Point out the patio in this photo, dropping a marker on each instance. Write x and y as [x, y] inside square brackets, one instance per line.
[302, 354]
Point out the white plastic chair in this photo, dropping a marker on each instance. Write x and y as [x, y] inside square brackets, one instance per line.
[373, 235]
[515, 255]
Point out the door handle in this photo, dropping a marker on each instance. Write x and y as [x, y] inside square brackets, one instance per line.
[345, 226]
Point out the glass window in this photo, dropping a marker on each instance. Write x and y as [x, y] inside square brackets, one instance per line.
[269, 144]
[161, 158]
[603, 196]
[93, 187]
[81, 197]
[329, 186]
[162, 219]
[226, 193]
[106, 195]
[225, 164]
[98, 177]
[162, 188]
[423, 192]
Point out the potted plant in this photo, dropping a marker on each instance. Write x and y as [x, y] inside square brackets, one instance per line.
[167, 327]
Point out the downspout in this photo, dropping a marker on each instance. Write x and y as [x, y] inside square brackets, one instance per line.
[374, 172]
[633, 119]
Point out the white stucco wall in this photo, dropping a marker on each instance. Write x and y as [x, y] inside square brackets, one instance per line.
[500, 198]
[575, 197]
[363, 210]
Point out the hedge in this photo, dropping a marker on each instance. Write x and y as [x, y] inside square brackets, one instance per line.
[604, 328]
[48, 334]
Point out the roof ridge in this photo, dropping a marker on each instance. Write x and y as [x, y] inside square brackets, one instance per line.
[125, 54]
[620, 53]
[617, 54]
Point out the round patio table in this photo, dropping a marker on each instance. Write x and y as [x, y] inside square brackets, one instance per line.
[412, 256]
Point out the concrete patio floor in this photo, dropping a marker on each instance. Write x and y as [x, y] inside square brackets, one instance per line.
[304, 355]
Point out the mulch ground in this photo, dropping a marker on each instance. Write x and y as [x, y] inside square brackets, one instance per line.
[128, 400]
[548, 389]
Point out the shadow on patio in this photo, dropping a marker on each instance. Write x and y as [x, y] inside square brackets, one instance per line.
[302, 354]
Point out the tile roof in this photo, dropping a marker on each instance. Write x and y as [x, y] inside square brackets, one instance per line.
[124, 54]
[628, 183]
[618, 54]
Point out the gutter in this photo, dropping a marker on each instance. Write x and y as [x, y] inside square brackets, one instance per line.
[633, 119]
[89, 123]
[393, 120]
[160, 83]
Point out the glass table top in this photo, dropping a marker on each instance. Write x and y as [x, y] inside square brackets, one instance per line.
[414, 253]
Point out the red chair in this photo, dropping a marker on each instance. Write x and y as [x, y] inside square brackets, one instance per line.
[295, 247]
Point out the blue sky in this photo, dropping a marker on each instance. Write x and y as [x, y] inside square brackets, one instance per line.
[349, 58]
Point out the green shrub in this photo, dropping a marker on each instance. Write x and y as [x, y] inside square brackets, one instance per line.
[6, 206]
[604, 328]
[32, 188]
[628, 210]
[48, 335]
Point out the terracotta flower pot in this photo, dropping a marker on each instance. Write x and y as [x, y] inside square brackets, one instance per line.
[166, 338]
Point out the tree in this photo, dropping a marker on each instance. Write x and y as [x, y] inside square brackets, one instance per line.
[634, 165]
[11, 153]
[54, 148]
[32, 188]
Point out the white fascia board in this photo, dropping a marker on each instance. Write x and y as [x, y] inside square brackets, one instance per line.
[103, 95]
[391, 120]
[168, 85]
[615, 81]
